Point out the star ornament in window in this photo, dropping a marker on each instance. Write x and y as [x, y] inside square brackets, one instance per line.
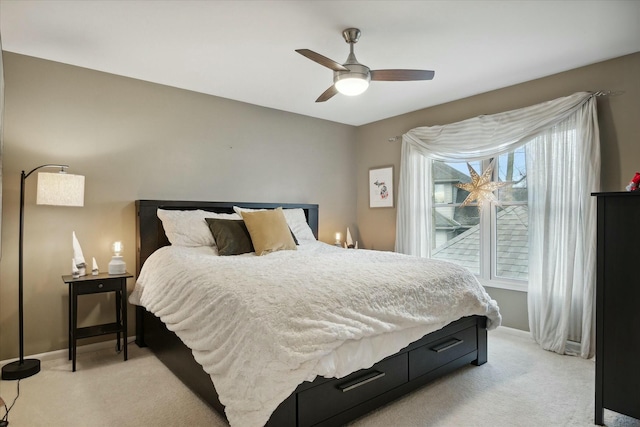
[481, 188]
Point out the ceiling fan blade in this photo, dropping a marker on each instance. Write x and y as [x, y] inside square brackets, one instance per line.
[322, 60]
[327, 94]
[401, 75]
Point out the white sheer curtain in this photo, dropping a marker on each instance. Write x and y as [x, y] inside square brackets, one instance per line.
[563, 168]
[489, 136]
[472, 139]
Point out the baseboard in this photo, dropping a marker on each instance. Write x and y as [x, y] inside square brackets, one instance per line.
[572, 348]
[64, 353]
[512, 331]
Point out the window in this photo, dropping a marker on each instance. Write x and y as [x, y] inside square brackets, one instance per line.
[493, 244]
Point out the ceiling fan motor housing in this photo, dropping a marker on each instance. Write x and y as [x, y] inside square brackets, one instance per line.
[357, 71]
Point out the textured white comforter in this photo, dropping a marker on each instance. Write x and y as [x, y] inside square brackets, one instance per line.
[260, 326]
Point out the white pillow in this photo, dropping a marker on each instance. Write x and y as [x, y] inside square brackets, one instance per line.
[188, 228]
[298, 224]
[296, 220]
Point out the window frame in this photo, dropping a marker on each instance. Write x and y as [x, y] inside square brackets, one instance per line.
[488, 236]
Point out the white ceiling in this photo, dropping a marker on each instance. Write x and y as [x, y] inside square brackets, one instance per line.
[244, 50]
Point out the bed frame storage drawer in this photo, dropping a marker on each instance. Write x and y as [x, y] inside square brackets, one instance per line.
[330, 398]
[438, 353]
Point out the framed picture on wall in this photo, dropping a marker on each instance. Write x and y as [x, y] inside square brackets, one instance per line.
[381, 187]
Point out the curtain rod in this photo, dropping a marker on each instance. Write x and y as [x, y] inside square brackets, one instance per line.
[596, 93]
[608, 93]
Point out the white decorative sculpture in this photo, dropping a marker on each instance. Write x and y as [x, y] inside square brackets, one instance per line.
[75, 273]
[78, 257]
[94, 269]
[349, 242]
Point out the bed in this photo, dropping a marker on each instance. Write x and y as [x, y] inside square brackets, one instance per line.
[389, 360]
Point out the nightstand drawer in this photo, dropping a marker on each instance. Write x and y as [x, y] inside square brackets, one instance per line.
[96, 286]
[440, 352]
[332, 397]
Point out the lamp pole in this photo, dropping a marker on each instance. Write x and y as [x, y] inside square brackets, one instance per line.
[23, 368]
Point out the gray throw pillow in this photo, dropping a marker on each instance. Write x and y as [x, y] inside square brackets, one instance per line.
[231, 236]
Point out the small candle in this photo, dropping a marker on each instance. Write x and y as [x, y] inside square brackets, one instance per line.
[337, 237]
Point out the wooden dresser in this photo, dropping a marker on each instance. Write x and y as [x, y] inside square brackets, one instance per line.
[618, 305]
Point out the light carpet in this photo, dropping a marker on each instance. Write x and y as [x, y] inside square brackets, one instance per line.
[521, 385]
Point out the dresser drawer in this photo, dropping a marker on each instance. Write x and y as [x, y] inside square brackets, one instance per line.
[95, 286]
[332, 397]
[442, 351]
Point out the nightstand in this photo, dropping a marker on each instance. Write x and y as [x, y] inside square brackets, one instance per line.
[93, 285]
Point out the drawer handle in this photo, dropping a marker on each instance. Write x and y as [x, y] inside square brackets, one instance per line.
[366, 378]
[100, 286]
[446, 345]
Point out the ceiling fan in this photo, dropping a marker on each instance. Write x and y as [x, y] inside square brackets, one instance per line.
[352, 78]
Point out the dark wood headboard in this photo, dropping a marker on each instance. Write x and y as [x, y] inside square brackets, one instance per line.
[150, 235]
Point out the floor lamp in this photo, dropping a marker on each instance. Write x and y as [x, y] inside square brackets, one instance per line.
[58, 189]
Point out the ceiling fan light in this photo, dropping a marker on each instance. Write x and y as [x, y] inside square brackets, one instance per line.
[352, 86]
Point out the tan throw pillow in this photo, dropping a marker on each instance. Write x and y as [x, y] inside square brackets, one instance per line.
[269, 231]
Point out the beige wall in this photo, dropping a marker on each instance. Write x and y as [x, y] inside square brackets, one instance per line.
[619, 118]
[133, 140]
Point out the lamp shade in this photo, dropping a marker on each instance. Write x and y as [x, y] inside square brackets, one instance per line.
[60, 189]
[352, 86]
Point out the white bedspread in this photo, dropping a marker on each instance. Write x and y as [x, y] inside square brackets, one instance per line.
[260, 326]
